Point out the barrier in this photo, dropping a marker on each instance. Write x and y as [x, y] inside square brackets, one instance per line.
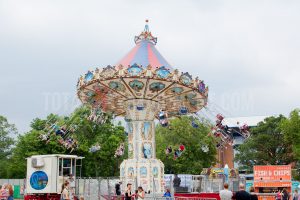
[202, 196]
[266, 196]
[161, 198]
[3, 197]
[104, 188]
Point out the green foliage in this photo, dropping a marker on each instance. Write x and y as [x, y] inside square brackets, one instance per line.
[109, 136]
[291, 130]
[193, 159]
[6, 141]
[100, 163]
[266, 146]
[273, 141]
[29, 144]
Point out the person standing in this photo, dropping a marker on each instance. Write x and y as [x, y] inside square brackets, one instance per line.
[118, 190]
[226, 194]
[65, 192]
[278, 195]
[10, 192]
[176, 182]
[167, 193]
[141, 193]
[252, 194]
[3, 192]
[285, 194]
[72, 186]
[242, 194]
[128, 193]
[295, 195]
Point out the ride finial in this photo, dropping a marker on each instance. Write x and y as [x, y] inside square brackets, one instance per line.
[145, 35]
[146, 29]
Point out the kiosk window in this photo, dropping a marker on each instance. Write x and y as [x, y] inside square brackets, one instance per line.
[67, 171]
[60, 167]
[67, 162]
[65, 165]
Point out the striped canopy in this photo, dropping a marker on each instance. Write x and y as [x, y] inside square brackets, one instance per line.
[145, 53]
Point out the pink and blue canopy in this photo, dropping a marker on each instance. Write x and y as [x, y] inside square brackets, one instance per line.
[145, 53]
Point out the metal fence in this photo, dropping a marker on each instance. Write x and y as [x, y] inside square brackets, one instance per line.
[104, 188]
[96, 188]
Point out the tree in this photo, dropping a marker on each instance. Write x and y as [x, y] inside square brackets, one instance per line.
[107, 135]
[193, 159]
[6, 141]
[100, 163]
[291, 130]
[266, 146]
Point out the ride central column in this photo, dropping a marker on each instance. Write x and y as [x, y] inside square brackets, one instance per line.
[142, 168]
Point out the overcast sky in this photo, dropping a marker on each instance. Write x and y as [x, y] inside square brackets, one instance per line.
[246, 51]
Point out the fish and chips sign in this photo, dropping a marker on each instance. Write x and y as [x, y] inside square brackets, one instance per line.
[272, 173]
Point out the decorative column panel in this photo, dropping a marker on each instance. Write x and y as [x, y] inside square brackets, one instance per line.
[142, 168]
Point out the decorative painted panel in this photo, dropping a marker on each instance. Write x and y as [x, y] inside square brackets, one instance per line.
[143, 172]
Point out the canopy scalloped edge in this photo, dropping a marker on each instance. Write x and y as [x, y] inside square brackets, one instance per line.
[108, 88]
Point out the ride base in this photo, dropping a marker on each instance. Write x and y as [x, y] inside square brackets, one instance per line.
[142, 168]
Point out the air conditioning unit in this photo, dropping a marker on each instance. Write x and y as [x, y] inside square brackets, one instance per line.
[37, 162]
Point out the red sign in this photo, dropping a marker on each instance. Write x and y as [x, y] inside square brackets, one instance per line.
[272, 173]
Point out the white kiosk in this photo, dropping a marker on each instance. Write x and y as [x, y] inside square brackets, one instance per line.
[47, 173]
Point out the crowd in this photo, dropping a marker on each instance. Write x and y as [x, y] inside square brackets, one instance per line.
[6, 192]
[242, 194]
[139, 194]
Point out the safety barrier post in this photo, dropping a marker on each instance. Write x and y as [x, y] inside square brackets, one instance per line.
[83, 189]
[99, 188]
[108, 188]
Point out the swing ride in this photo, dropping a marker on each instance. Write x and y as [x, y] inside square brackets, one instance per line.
[142, 87]
[64, 133]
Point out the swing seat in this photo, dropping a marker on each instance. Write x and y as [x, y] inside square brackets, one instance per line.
[59, 132]
[165, 124]
[194, 125]
[162, 116]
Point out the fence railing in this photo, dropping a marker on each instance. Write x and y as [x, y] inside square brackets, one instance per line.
[162, 198]
[104, 188]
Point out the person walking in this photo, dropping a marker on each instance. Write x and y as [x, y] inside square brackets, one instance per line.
[252, 194]
[242, 194]
[225, 194]
[128, 193]
[141, 193]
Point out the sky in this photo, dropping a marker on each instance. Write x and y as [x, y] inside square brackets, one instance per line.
[247, 52]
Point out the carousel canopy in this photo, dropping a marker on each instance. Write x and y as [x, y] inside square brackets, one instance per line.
[142, 74]
[145, 53]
